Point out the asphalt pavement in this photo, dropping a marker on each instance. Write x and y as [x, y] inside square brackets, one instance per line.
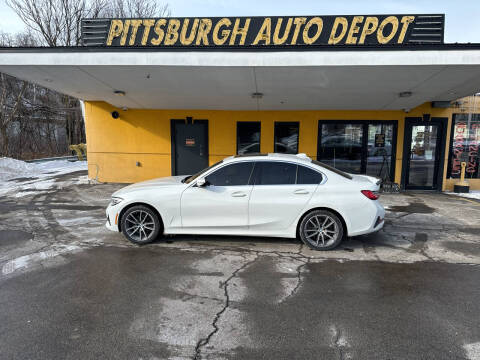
[70, 289]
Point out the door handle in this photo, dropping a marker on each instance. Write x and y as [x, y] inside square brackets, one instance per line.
[238, 194]
[300, 192]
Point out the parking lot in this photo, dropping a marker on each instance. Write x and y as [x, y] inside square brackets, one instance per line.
[69, 288]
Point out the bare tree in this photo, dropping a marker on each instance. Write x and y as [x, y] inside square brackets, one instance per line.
[11, 97]
[12, 91]
[54, 23]
[58, 22]
[136, 8]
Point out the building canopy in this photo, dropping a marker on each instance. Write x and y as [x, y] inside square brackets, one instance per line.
[279, 63]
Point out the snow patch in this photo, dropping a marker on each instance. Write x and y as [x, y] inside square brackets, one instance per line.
[12, 168]
[472, 351]
[26, 260]
[34, 177]
[79, 221]
[473, 194]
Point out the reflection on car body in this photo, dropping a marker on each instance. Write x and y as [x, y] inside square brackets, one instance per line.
[275, 195]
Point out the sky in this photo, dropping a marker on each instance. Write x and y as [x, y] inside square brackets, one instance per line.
[462, 16]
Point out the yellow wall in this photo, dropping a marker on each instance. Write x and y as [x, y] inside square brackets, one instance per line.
[115, 145]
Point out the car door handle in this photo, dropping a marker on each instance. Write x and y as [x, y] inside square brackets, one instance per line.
[238, 194]
[300, 192]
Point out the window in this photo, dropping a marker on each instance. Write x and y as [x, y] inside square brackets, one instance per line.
[189, 179]
[341, 146]
[286, 137]
[306, 175]
[380, 150]
[275, 173]
[248, 137]
[358, 146]
[464, 146]
[231, 175]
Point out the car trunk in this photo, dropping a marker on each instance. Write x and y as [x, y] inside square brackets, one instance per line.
[367, 182]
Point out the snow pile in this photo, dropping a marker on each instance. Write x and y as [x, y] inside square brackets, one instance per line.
[20, 176]
[473, 194]
[11, 168]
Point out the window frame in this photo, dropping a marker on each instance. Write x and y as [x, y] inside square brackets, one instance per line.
[254, 173]
[309, 168]
[259, 140]
[231, 164]
[364, 153]
[275, 133]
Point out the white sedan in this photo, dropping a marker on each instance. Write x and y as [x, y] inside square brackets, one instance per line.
[275, 195]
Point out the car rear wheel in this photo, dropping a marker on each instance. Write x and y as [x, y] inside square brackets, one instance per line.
[140, 224]
[321, 230]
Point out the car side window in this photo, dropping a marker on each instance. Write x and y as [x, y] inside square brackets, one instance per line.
[231, 175]
[306, 176]
[275, 173]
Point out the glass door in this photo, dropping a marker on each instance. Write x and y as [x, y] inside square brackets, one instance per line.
[423, 145]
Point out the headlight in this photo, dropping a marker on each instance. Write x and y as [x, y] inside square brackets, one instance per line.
[115, 200]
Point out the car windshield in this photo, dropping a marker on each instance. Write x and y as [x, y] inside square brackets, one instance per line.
[189, 179]
[332, 169]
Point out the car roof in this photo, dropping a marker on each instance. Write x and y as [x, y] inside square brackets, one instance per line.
[300, 158]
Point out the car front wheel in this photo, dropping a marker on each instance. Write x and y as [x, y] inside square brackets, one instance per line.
[321, 230]
[140, 224]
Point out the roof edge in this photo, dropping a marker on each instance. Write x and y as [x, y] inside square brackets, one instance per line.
[409, 47]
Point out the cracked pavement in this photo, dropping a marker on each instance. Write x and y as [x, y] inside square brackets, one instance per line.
[69, 288]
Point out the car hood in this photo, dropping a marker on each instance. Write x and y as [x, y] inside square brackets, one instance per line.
[154, 183]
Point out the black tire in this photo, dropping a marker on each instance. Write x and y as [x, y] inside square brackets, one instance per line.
[147, 227]
[321, 230]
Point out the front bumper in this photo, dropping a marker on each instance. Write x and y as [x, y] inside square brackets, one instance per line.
[112, 213]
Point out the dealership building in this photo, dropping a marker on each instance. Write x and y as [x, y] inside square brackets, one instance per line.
[381, 95]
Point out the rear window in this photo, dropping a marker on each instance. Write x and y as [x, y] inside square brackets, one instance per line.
[308, 176]
[332, 169]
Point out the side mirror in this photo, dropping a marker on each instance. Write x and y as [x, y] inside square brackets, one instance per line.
[202, 182]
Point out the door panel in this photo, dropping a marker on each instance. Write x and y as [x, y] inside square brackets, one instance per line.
[223, 202]
[276, 199]
[215, 206]
[189, 146]
[277, 206]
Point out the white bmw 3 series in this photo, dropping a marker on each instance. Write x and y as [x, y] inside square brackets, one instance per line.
[275, 195]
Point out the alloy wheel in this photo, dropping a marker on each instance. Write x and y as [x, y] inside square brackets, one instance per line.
[321, 230]
[140, 225]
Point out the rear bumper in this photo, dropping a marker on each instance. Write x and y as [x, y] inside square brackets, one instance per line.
[377, 222]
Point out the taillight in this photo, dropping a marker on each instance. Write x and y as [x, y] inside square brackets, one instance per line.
[370, 194]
